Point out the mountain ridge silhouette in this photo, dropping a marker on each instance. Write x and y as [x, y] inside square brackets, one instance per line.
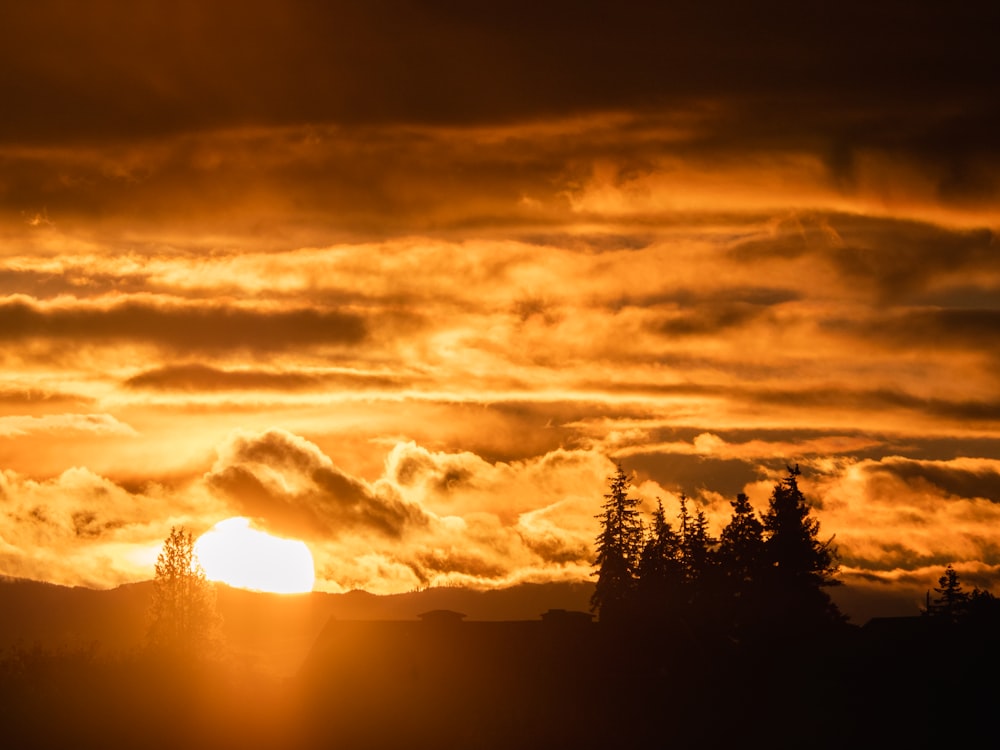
[274, 631]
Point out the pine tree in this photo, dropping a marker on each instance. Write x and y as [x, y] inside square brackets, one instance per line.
[741, 561]
[697, 547]
[741, 545]
[182, 614]
[799, 565]
[982, 610]
[701, 580]
[661, 571]
[951, 601]
[618, 550]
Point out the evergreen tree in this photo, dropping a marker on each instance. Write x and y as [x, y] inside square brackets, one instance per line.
[798, 564]
[741, 561]
[618, 551]
[183, 620]
[983, 610]
[951, 601]
[741, 545]
[661, 571]
[698, 556]
[697, 547]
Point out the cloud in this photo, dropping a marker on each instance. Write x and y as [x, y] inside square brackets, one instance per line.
[895, 514]
[894, 257]
[285, 479]
[184, 326]
[93, 424]
[960, 478]
[462, 260]
[200, 378]
[710, 445]
[38, 398]
[41, 284]
[937, 329]
[431, 518]
[461, 482]
[80, 528]
[711, 319]
[375, 67]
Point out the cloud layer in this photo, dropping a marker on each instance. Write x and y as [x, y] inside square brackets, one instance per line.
[453, 518]
[405, 280]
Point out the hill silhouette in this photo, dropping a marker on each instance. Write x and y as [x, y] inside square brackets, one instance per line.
[272, 632]
[362, 671]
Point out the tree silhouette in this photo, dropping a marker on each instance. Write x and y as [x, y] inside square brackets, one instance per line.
[618, 550]
[182, 613]
[741, 544]
[697, 546]
[741, 559]
[951, 601]
[798, 564]
[982, 610]
[701, 570]
[661, 571]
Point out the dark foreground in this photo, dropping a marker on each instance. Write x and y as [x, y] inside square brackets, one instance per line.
[908, 683]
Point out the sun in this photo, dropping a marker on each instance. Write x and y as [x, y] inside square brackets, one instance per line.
[233, 553]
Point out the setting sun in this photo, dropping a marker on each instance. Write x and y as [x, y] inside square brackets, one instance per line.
[233, 553]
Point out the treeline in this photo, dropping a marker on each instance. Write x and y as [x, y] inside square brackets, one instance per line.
[761, 574]
[733, 640]
[954, 605]
[764, 574]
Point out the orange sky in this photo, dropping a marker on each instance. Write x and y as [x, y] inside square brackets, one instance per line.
[404, 280]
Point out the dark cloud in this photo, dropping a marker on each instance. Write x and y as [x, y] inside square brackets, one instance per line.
[915, 83]
[35, 398]
[715, 299]
[926, 329]
[694, 475]
[252, 497]
[195, 377]
[956, 481]
[557, 548]
[894, 556]
[818, 399]
[88, 525]
[307, 183]
[151, 67]
[209, 327]
[893, 258]
[710, 319]
[946, 448]
[595, 242]
[287, 482]
[382, 511]
[198, 377]
[901, 257]
[439, 474]
[871, 400]
[426, 564]
[303, 184]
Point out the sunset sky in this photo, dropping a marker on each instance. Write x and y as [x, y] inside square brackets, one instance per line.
[404, 280]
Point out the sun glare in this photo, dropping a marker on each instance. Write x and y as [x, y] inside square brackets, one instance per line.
[233, 553]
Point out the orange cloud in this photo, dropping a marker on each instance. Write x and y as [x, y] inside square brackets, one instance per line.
[95, 424]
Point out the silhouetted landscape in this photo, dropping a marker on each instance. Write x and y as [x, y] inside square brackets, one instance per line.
[499, 375]
[321, 671]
